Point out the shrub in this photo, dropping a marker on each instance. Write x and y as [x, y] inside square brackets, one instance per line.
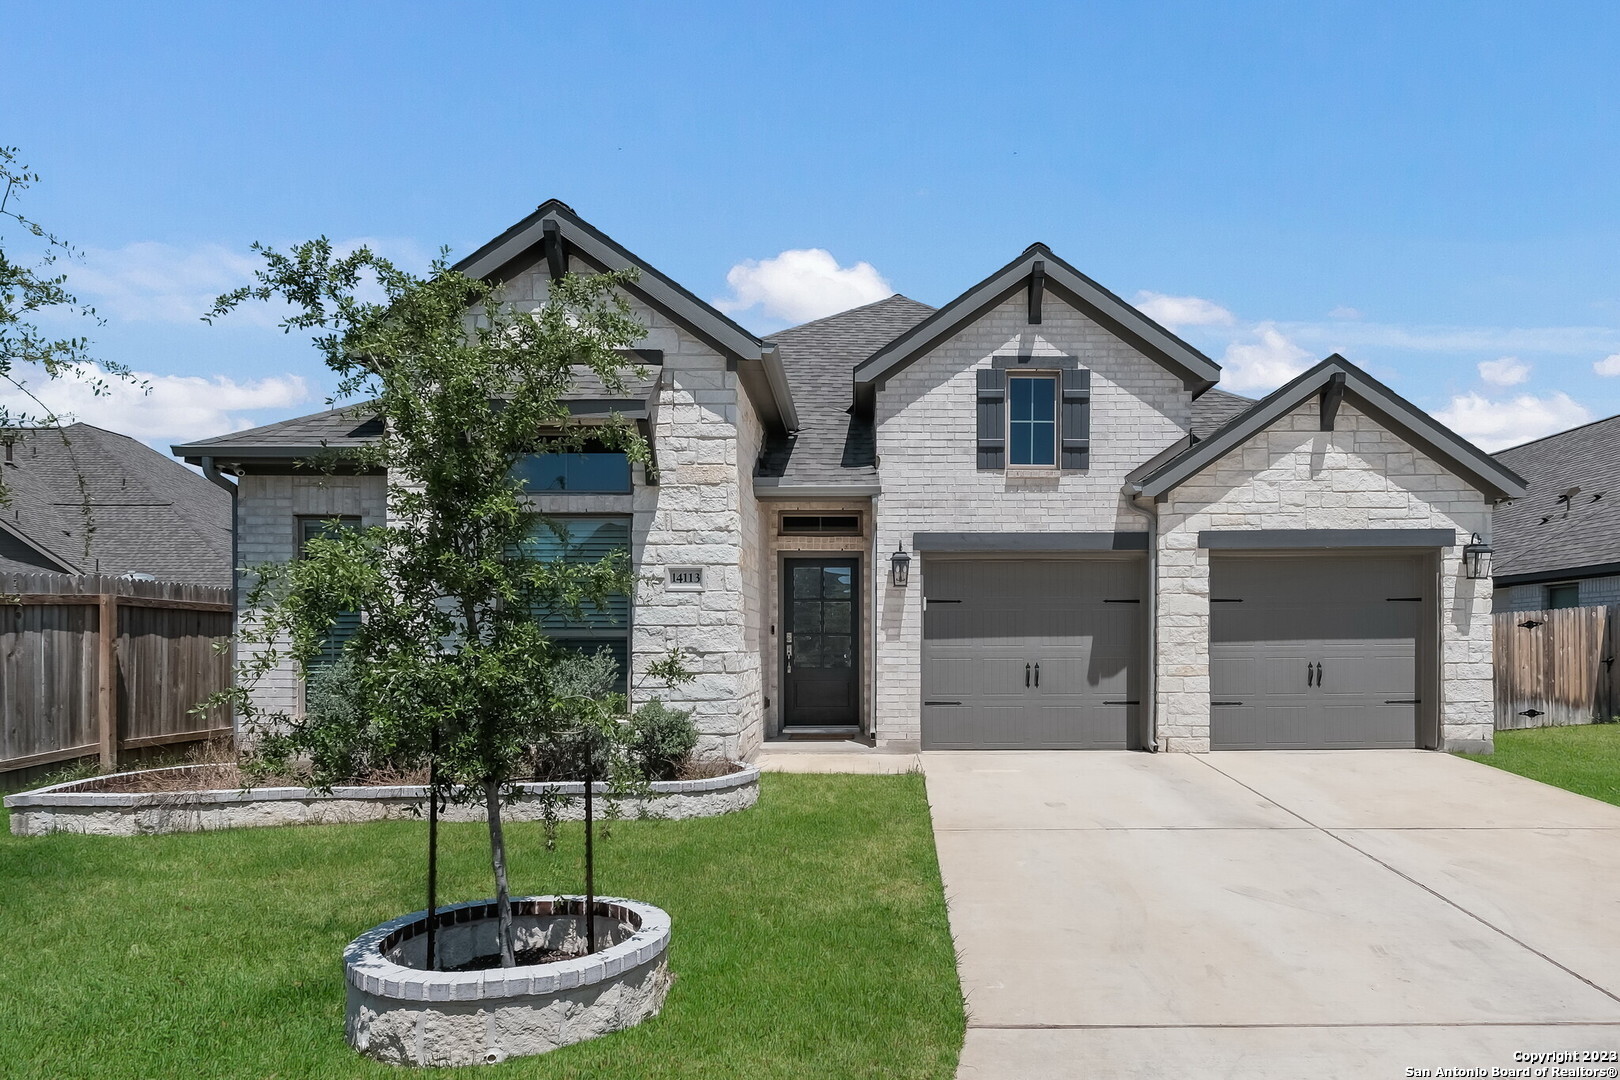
[661, 739]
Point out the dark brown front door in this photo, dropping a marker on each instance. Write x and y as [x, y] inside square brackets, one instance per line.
[821, 643]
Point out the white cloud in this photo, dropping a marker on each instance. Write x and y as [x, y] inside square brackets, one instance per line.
[1609, 365]
[168, 283]
[802, 284]
[1343, 312]
[1496, 424]
[1508, 371]
[1174, 311]
[1263, 363]
[177, 409]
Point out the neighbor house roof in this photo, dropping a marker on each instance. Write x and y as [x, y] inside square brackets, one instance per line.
[1037, 265]
[84, 500]
[759, 367]
[834, 445]
[1568, 525]
[1333, 379]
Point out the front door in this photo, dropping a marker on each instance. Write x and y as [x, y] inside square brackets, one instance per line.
[821, 643]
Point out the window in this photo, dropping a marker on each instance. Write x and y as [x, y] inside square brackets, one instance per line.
[821, 525]
[606, 472]
[585, 540]
[1032, 420]
[347, 623]
[1567, 595]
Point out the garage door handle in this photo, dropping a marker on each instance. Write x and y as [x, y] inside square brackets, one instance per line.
[1319, 674]
[1026, 674]
[1037, 673]
[1308, 674]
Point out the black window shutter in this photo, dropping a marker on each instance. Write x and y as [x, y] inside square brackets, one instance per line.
[992, 409]
[1076, 430]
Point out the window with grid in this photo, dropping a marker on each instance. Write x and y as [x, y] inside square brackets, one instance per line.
[1031, 420]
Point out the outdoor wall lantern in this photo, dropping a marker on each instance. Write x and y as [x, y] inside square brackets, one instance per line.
[899, 566]
[1477, 558]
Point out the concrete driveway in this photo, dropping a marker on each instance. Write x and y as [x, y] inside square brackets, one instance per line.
[1276, 914]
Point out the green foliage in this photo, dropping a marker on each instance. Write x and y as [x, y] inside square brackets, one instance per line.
[661, 739]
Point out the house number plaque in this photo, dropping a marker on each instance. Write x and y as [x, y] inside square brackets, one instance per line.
[686, 578]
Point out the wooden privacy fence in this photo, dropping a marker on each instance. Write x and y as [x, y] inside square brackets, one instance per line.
[97, 665]
[1555, 667]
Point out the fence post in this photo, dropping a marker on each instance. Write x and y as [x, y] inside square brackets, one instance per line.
[107, 691]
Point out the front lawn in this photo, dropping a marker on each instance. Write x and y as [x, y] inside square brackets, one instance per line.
[1583, 758]
[810, 941]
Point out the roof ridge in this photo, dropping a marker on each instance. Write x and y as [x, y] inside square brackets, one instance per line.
[849, 311]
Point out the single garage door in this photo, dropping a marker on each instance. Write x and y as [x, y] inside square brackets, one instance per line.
[1315, 652]
[1032, 653]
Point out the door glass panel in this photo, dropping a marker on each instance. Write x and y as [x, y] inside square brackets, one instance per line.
[806, 582]
[835, 616]
[807, 650]
[806, 616]
[835, 581]
[835, 651]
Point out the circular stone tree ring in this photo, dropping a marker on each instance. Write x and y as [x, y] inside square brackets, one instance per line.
[403, 1014]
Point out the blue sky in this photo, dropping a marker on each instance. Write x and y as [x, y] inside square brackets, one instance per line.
[1424, 187]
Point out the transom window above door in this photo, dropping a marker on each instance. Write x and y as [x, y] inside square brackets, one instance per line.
[1032, 420]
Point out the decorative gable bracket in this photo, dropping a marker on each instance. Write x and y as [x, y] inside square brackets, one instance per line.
[1037, 291]
[1332, 397]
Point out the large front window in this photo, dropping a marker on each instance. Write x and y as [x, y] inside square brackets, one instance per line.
[1032, 420]
[585, 541]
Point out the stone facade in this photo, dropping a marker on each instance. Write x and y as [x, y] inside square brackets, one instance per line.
[1295, 476]
[701, 513]
[927, 464]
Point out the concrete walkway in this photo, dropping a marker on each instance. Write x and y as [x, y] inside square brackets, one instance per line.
[832, 756]
[1273, 915]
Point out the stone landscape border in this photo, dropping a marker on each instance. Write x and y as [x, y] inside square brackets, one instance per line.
[407, 1015]
[73, 808]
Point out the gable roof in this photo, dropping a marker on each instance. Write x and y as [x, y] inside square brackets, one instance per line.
[833, 444]
[1369, 395]
[146, 513]
[302, 436]
[759, 367]
[1544, 536]
[1215, 408]
[1198, 372]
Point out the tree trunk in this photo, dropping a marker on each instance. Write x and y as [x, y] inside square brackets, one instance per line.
[433, 858]
[497, 858]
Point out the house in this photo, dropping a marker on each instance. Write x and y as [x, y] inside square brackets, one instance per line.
[1026, 519]
[85, 500]
[1559, 546]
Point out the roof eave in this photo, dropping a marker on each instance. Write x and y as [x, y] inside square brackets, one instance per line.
[1198, 372]
[1372, 397]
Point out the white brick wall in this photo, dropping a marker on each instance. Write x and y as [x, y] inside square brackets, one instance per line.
[267, 513]
[927, 449]
[1295, 476]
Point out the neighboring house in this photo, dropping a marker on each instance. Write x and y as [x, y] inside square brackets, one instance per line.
[1559, 546]
[1026, 519]
[84, 500]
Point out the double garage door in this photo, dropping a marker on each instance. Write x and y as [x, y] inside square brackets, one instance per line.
[1318, 651]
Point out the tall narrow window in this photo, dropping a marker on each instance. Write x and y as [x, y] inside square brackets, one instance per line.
[346, 623]
[1031, 420]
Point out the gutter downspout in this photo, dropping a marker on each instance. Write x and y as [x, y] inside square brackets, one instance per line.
[215, 477]
[1150, 514]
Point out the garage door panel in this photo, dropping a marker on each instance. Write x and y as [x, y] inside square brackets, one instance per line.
[1079, 620]
[1314, 652]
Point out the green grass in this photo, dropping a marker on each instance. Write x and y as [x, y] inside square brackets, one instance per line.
[810, 940]
[1581, 758]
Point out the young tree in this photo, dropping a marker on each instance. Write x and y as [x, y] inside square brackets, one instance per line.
[451, 666]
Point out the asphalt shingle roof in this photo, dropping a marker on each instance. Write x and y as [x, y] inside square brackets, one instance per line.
[1214, 409]
[1543, 532]
[832, 446]
[141, 511]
